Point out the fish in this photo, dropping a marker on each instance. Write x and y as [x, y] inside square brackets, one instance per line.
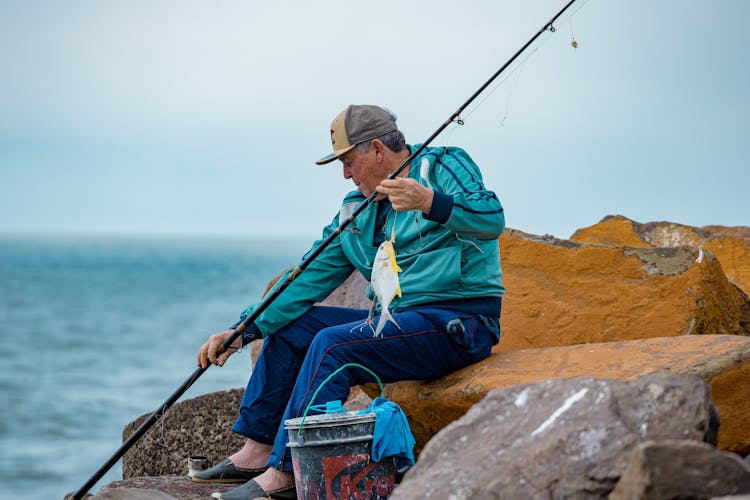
[385, 283]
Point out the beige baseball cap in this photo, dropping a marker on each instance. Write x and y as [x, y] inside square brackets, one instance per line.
[358, 123]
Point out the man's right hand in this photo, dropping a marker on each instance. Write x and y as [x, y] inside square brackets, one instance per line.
[208, 351]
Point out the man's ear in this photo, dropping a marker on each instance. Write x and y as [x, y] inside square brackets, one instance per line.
[379, 149]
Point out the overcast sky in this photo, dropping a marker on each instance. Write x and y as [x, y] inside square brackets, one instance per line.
[187, 117]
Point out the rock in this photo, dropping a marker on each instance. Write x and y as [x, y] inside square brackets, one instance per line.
[562, 293]
[681, 469]
[616, 230]
[557, 439]
[731, 245]
[109, 493]
[164, 487]
[198, 426]
[723, 361]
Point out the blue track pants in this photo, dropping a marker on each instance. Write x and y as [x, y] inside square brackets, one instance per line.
[295, 360]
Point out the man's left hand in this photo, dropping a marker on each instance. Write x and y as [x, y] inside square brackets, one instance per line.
[406, 194]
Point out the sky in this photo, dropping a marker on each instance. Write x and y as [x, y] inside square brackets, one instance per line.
[205, 118]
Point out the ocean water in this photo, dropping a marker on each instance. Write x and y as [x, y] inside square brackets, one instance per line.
[97, 331]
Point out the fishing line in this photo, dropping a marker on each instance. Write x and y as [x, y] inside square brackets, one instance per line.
[510, 94]
[461, 120]
[516, 68]
[520, 67]
[573, 41]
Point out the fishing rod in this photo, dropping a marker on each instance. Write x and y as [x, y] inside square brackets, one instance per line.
[271, 296]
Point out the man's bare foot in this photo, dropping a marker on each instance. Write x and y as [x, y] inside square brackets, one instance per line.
[253, 455]
[274, 480]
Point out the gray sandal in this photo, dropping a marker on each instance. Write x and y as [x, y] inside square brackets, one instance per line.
[251, 490]
[226, 472]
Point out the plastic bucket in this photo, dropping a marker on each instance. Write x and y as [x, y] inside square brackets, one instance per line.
[332, 458]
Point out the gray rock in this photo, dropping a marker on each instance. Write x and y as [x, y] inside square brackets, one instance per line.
[132, 494]
[198, 426]
[162, 487]
[557, 439]
[681, 469]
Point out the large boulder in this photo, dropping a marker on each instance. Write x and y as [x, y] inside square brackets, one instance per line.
[557, 439]
[731, 245]
[562, 293]
[681, 469]
[199, 426]
[723, 361]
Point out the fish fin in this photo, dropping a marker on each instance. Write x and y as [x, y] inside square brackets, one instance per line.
[385, 317]
[370, 318]
[371, 313]
[398, 290]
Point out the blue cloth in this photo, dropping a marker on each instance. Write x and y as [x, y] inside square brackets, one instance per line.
[392, 437]
[295, 360]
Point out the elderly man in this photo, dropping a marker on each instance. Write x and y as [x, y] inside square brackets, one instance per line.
[446, 225]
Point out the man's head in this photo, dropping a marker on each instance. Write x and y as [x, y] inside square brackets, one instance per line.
[358, 125]
[368, 143]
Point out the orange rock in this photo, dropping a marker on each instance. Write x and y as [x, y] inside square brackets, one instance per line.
[562, 293]
[723, 361]
[612, 230]
[731, 245]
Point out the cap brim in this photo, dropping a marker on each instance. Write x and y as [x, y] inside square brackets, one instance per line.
[333, 156]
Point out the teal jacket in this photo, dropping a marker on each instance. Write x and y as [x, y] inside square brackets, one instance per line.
[449, 254]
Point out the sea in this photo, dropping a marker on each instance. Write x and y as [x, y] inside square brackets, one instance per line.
[98, 330]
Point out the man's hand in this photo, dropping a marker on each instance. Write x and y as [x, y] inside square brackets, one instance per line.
[207, 352]
[407, 194]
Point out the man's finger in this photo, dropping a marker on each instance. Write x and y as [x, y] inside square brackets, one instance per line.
[212, 352]
[223, 358]
[202, 355]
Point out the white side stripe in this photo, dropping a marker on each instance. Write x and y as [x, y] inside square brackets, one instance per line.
[424, 171]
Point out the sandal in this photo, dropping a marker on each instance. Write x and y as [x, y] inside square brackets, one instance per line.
[226, 472]
[251, 490]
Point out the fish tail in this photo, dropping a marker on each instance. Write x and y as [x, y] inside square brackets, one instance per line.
[385, 317]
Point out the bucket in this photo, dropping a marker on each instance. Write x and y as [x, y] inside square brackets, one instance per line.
[332, 452]
[332, 458]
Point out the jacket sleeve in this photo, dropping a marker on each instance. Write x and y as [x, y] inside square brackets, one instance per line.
[461, 202]
[321, 277]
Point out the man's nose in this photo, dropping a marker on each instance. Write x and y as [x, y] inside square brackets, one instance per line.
[347, 172]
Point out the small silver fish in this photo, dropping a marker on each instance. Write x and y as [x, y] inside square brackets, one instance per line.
[385, 283]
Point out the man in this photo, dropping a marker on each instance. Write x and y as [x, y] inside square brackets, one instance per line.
[446, 226]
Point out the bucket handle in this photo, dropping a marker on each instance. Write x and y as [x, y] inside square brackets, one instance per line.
[347, 365]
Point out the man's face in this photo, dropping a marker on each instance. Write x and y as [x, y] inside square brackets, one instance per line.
[364, 169]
